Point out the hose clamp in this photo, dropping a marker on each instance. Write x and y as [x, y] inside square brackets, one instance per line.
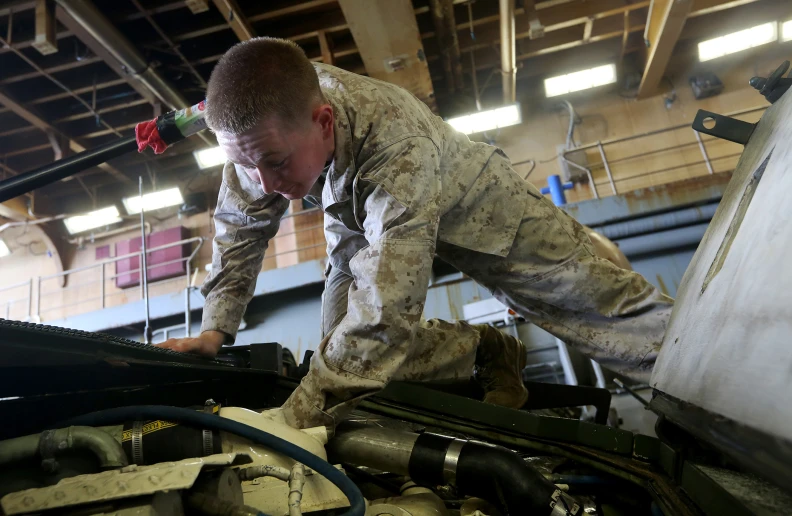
[451, 460]
[207, 436]
[137, 443]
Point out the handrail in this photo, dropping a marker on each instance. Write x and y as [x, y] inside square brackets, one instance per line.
[123, 257]
[606, 164]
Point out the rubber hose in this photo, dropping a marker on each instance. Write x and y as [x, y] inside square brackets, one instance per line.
[209, 421]
[496, 473]
[483, 470]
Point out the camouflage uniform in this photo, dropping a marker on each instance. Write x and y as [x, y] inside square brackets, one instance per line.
[403, 185]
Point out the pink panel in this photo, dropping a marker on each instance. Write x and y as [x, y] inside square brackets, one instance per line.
[158, 266]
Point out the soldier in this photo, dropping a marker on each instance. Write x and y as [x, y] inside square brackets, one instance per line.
[399, 186]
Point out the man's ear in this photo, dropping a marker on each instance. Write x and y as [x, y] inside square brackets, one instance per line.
[323, 115]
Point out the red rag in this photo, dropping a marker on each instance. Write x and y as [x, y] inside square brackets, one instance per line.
[147, 135]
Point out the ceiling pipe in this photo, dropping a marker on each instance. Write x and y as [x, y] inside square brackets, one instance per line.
[508, 51]
[98, 26]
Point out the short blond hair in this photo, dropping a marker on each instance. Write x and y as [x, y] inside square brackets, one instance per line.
[257, 79]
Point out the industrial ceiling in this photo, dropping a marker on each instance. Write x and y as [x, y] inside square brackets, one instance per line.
[103, 74]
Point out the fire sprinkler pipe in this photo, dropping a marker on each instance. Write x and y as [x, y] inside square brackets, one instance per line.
[508, 51]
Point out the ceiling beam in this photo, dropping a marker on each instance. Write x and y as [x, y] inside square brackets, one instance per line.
[387, 36]
[38, 122]
[104, 54]
[236, 19]
[664, 26]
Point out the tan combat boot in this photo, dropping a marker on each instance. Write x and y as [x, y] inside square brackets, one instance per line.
[500, 359]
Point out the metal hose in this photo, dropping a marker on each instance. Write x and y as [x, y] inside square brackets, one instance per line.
[53, 442]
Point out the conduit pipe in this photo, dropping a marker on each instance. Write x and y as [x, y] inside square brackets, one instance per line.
[663, 240]
[508, 51]
[654, 223]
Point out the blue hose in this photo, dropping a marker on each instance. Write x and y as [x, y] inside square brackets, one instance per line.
[208, 421]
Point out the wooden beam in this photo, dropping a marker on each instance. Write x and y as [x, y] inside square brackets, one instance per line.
[386, 33]
[197, 6]
[45, 41]
[324, 46]
[233, 15]
[38, 122]
[665, 23]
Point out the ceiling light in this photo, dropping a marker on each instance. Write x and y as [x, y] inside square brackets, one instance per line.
[94, 219]
[786, 31]
[4, 250]
[737, 41]
[208, 158]
[581, 80]
[154, 201]
[487, 120]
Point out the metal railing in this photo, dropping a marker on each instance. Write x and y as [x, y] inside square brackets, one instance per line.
[18, 308]
[607, 164]
[97, 274]
[92, 287]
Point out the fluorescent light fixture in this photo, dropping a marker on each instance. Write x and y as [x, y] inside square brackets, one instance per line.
[582, 80]
[92, 220]
[4, 250]
[786, 31]
[487, 120]
[738, 41]
[211, 157]
[153, 201]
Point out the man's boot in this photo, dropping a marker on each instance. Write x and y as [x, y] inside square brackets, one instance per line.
[500, 359]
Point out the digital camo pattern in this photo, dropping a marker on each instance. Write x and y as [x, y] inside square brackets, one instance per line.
[403, 185]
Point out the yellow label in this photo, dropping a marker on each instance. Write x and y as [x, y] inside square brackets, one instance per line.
[151, 426]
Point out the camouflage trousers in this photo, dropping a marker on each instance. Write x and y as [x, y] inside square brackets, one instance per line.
[551, 277]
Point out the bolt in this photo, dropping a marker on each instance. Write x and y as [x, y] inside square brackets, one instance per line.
[122, 485]
[63, 445]
[154, 479]
[28, 500]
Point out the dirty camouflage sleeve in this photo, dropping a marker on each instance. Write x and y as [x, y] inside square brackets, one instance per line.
[245, 220]
[399, 188]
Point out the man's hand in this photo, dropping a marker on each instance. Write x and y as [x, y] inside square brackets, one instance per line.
[207, 344]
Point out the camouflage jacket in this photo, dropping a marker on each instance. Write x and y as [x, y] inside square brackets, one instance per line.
[400, 179]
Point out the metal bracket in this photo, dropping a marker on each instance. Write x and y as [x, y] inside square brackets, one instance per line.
[725, 128]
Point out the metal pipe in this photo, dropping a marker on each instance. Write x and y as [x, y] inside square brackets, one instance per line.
[380, 448]
[101, 29]
[508, 51]
[655, 223]
[42, 176]
[607, 168]
[704, 152]
[663, 241]
[31, 222]
[102, 279]
[144, 270]
[52, 442]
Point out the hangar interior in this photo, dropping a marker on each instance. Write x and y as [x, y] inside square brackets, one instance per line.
[651, 122]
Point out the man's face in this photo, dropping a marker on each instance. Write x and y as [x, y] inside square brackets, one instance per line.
[284, 159]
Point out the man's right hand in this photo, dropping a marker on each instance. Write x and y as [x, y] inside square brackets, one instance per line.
[207, 344]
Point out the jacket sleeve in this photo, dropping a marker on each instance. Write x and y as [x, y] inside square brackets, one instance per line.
[245, 221]
[400, 190]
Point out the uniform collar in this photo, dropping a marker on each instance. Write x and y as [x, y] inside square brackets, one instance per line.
[342, 170]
